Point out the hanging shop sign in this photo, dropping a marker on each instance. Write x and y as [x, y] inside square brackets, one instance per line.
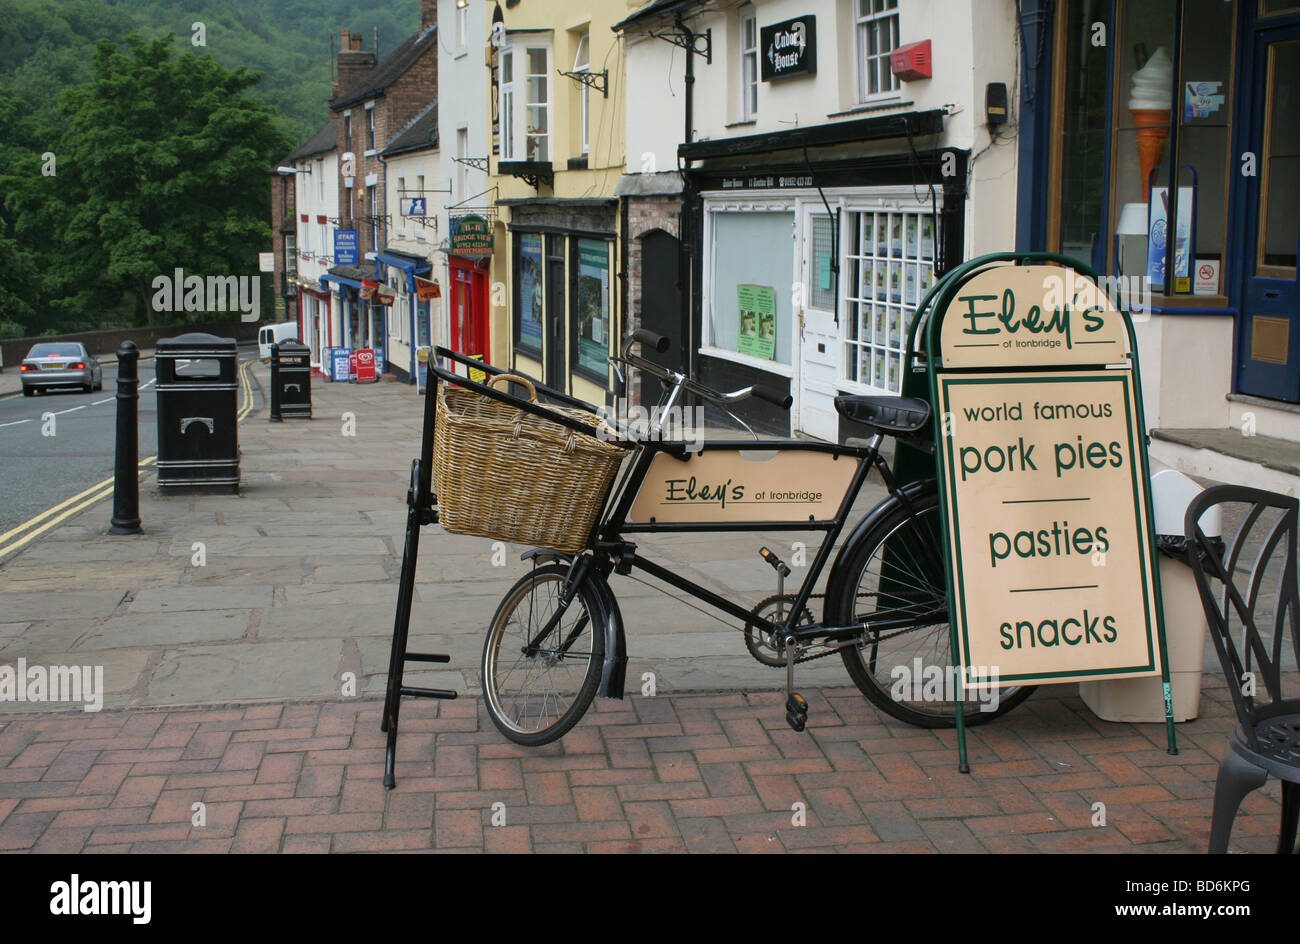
[470, 236]
[426, 289]
[385, 296]
[368, 289]
[415, 206]
[345, 247]
[1043, 471]
[789, 48]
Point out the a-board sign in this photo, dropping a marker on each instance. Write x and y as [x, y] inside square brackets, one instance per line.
[365, 369]
[1043, 475]
[735, 485]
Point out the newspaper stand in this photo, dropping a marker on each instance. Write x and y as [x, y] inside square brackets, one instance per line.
[1008, 366]
[421, 511]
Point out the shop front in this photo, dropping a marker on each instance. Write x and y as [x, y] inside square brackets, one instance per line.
[469, 253]
[408, 323]
[564, 323]
[810, 270]
[1173, 165]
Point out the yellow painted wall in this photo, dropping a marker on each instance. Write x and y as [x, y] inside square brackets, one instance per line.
[566, 19]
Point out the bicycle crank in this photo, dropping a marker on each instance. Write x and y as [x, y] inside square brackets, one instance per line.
[764, 646]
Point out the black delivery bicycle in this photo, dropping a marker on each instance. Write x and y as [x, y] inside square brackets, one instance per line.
[556, 639]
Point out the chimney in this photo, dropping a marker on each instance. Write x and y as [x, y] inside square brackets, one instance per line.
[354, 61]
[428, 14]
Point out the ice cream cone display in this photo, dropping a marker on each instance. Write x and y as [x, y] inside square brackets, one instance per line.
[1150, 103]
[1152, 131]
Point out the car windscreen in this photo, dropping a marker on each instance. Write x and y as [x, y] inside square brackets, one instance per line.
[55, 350]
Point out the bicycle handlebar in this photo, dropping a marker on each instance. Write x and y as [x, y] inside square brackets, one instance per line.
[781, 401]
[656, 341]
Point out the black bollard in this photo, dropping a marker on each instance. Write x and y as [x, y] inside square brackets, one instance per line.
[275, 416]
[126, 471]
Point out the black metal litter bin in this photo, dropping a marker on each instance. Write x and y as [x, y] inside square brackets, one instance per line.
[290, 380]
[198, 398]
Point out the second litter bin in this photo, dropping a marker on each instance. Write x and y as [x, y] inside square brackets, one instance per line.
[290, 381]
[198, 398]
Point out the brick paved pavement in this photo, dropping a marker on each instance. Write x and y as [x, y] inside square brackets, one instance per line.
[699, 773]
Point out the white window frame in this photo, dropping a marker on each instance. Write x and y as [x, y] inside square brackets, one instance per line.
[758, 201]
[582, 65]
[506, 104]
[864, 25]
[513, 104]
[749, 64]
[462, 24]
[370, 127]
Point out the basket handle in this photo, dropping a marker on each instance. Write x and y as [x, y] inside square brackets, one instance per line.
[515, 378]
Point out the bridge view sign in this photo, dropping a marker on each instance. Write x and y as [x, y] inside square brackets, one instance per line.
[1044, 479]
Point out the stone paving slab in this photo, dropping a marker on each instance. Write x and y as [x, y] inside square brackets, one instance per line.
[686, 773]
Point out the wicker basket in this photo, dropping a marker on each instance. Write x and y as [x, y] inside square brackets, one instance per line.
[504, 473]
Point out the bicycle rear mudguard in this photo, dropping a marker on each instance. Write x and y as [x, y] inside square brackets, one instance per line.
[613, 671]
[837, 575]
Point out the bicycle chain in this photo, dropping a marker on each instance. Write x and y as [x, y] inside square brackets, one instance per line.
[802, 659]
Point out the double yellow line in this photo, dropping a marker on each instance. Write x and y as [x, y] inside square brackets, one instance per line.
[17, 538]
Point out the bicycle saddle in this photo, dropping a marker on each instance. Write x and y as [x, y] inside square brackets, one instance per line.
[898, 415]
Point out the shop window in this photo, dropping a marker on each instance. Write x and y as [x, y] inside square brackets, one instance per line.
[890, 267]
[1280, 171]
[748, 63]
[590, 301]
[528, 293]
[1162, 234]
[751, 269]
[876, 26]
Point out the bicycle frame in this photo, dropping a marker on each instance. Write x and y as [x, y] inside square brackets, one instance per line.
[610, 551]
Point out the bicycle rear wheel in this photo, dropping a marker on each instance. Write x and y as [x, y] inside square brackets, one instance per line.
[896, 580]
[537, 686]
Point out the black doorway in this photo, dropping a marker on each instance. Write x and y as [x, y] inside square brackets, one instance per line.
[662, 310]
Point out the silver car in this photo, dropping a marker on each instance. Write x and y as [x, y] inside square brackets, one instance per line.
[60, 364]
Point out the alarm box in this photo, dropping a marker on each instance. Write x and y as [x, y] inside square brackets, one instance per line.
[912, 61]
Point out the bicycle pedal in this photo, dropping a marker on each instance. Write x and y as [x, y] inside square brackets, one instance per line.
[796, 711]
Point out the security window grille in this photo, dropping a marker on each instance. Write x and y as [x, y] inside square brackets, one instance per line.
[877, 30]
[890, 267]
[748, 64]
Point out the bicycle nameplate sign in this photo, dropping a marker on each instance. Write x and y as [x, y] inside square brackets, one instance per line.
[1043, 475]
[743, 485]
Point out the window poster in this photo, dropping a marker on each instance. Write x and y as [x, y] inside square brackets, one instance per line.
[530, 290]
[1158, 235]
[757, 321]
[593, 305]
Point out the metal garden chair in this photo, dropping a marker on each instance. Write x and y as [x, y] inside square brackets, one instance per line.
[1249, 589]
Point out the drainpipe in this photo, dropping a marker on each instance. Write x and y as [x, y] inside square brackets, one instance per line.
[689, 37]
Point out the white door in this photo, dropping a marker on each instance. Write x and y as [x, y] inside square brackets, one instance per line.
[818, 337]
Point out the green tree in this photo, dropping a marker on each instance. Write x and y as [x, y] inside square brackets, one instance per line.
[161, 164]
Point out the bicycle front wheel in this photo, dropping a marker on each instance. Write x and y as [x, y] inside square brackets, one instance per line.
[896, 585]
[542, 658]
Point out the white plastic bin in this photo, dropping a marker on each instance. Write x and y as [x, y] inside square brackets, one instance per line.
[1142, 699]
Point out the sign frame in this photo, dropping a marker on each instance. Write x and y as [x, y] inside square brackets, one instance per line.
[927, 324]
